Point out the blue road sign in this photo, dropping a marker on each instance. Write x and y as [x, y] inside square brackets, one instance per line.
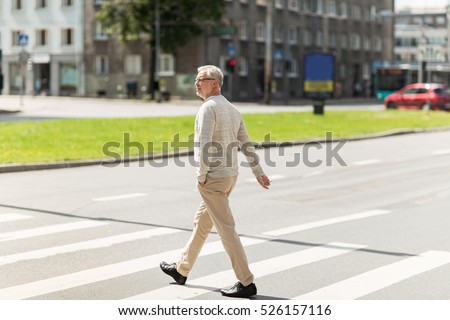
[278, 54]
[231, 50]
[23, 40]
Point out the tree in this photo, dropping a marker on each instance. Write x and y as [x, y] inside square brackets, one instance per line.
[180, 20]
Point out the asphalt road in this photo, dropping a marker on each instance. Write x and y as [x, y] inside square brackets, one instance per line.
[44, 108]
[373, 225]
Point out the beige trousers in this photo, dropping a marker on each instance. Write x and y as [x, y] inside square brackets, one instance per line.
[215, 211]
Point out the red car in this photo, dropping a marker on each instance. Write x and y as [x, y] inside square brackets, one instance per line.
[417, 95]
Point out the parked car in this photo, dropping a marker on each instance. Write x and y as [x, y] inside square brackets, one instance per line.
[417, 95]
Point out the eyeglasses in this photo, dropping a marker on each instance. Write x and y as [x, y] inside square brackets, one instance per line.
[203, 79]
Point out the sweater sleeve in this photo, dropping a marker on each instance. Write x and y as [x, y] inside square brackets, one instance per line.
[205, 128]
[249, 151]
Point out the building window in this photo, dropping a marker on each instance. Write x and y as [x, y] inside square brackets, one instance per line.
[133, 64]
[41, 4]
[356, 12]
[319, 8]
[260, 32]
[292, 68]
[278, 36]
[344, 9]
[67, 37]
[101, 65]
[101, 33]
[243, 1]
[278, 68]
[67, 3]
[243, 30]
[243, 66]
[344, 41]
[307, 38]
[343, 70]
[332, 40]
[332, 8]
[318, 39]
[41, 37]
[377, 44]
[294, 5]
[292, 35]
[279, 4]
[261, 2]
[15, 37]
[355, 40]
[367, 44]
[166, 65]
[17, 4]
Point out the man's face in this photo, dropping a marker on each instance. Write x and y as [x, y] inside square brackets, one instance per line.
[204, 85]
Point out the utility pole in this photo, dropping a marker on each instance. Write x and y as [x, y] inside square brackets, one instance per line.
[157, 51]
[268, 56]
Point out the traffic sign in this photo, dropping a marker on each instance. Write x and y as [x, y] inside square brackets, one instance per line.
[278, 54]
[231, 50]
[23, 40]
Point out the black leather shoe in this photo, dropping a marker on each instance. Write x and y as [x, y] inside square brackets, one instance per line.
[171, 270]
[239, 291]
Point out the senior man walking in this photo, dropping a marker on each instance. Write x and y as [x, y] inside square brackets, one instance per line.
[219, 131]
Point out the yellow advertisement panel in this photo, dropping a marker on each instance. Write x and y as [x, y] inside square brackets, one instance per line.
[318, 86]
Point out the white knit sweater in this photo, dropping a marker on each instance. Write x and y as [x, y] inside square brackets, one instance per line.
[219, 133]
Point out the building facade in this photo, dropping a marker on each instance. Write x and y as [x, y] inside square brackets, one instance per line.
[421, 43]
[70, 53]
[42, 46]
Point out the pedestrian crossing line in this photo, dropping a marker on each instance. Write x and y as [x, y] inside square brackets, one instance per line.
[72, 280]
[7, 217]
[86, 245]
[326, 222]
[366, 162]
[116, 270]
[260, 269]
[120, 197]
[374, 280]
[41, 231]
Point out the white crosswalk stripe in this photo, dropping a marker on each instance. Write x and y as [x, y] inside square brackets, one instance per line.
[8, 217]
[85, 245]
[380, 278]
[41, 231]
[352, 288]
[260, 269]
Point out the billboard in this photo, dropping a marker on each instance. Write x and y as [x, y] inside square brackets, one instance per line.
[318, 77]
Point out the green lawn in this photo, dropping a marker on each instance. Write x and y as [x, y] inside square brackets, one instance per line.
[53, 140]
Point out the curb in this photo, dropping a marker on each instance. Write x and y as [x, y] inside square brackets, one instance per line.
[21, 167]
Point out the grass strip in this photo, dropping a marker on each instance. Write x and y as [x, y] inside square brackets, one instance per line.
[75, 139]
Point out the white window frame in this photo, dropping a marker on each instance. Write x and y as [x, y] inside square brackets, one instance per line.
[17, 5]
[40, 40]
[307, 38]
[294, 5]
[243, 66]
[166, 65]
[15, 37]
[101, 32]
[260, 32]
[292, 35]
[355, 41]
[332, 8]
[67, 3]
[243, 30]
[41, 4]
[279, 33]
[68, 37]
[101, 64]
[133, 64]
[344, 9]
[293, 68]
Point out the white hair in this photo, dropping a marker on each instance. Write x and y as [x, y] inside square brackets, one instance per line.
[213, 72]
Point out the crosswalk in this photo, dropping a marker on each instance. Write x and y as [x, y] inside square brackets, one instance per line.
[354, 287]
